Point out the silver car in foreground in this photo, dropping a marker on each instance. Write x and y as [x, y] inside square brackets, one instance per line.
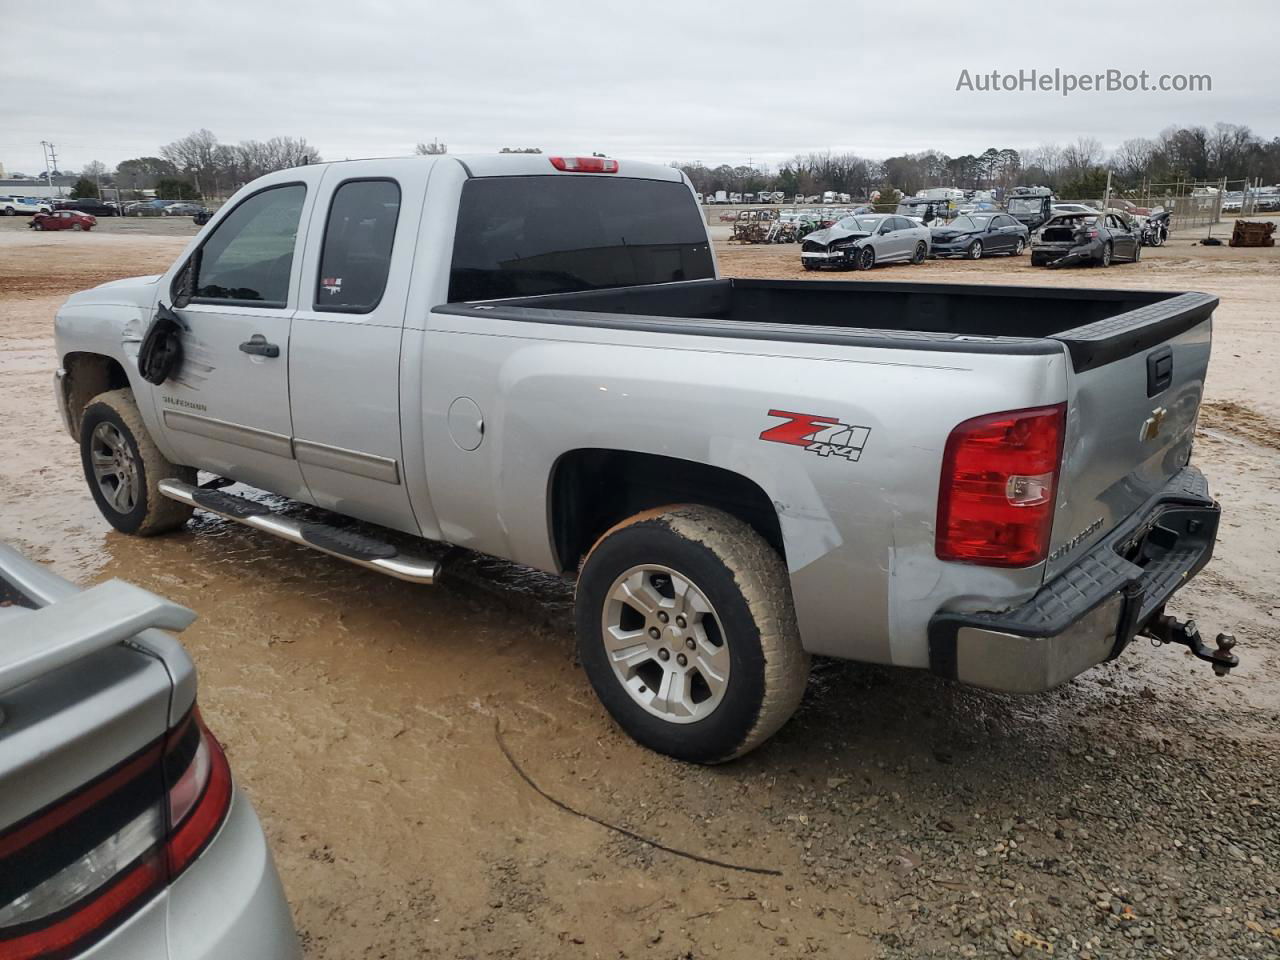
[122, 835]
[862, 241]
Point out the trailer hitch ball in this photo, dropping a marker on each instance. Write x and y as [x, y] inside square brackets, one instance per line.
[1165, 629]
[1223, 662]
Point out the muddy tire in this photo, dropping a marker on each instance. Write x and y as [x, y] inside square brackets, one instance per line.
[123, 467]
[687, 632]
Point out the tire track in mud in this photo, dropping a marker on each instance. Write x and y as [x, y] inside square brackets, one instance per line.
[1240, 420]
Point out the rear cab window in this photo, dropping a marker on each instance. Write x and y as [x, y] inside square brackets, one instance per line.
[358, 237]
[525, 236]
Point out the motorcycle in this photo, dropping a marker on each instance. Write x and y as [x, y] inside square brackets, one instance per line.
[1155, 230]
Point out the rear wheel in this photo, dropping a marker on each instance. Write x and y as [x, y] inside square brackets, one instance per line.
[1105, 259]
[9, 212]
[687, 632]
[124, 467]
[921, 252]
[866, 258]
[975, 250]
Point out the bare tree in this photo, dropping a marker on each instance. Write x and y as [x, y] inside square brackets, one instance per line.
[433, 148]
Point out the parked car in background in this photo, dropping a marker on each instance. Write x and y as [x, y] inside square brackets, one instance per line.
[183, 208]
[864, 241]
[29, 206]
[1073, 208]
[90, 205]
[975, 235]
[63, 220]
[1068, 239]
[122, 834]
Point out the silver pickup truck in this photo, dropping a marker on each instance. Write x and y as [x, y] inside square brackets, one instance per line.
[535, 357]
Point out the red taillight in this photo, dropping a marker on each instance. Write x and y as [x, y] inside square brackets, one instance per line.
[75, 871]
[999, 485]
[584, 164]
[198, 801]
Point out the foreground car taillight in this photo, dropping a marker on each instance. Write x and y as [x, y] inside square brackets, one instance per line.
[75, 871]
[999, 485]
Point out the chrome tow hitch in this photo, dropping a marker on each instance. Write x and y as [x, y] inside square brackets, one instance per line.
[1165, 629]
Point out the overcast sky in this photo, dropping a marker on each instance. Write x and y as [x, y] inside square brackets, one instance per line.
[655, 80]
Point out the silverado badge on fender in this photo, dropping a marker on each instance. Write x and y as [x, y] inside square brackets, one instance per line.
[825, 436]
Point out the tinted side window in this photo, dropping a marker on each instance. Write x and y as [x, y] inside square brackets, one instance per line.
[521, 236]
[357, 246]
[250, 254]
[902, 223]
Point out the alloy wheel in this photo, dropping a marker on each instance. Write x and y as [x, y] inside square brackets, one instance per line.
[664, 641]
[114, 467]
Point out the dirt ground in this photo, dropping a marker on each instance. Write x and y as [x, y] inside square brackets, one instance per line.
[1133, 812]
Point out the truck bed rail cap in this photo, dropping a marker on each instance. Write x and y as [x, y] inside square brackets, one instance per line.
[45, 639]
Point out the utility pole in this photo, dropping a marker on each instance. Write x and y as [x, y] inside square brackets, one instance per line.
[50, 164]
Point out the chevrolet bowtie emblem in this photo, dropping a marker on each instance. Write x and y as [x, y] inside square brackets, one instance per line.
[1151, 427]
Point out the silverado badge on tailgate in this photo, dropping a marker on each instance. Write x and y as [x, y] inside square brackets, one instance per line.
[825, 436]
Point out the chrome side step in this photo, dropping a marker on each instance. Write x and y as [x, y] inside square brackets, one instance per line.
[343, 544]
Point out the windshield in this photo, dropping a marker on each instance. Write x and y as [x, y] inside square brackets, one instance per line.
[1025, 205]
[976, 224]
[523, 236]
[860, 224]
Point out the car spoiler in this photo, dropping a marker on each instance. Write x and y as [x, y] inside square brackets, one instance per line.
[41, 640]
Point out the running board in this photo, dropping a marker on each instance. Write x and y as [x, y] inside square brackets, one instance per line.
[344, 544]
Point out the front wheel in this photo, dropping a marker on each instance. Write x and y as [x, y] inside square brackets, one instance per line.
[10, 212]
[866, 258]
[77, 227]
[808, 266]
[687, 633]
[1157, 238]
[123, 467]
[975, 250]
[1020, 247]
[921, 252]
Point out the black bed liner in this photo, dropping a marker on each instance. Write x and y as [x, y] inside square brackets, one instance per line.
[1096, 326]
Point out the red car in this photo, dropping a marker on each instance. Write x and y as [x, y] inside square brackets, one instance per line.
[63, 220]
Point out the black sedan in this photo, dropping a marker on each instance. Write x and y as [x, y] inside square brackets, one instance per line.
[91, 206]
[975, 235]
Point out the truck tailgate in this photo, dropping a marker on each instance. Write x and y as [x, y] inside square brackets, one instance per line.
[1133, 395]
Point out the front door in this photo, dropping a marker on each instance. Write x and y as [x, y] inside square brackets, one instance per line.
[227, 409]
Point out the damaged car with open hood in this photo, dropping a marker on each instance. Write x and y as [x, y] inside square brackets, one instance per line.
[863, 241]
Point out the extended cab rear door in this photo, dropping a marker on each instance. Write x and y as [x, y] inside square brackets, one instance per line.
[345, 359]
[227, 411]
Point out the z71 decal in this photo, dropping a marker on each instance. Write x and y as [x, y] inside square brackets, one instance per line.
[825, 436]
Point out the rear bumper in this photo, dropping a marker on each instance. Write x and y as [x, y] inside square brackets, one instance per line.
[1090, 612]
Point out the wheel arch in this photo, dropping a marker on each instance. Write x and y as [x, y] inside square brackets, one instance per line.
[591, 489]
[87, 375]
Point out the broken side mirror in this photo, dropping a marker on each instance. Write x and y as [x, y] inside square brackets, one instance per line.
[184, 284]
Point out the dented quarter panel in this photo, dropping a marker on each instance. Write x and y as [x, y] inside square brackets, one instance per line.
[858, 534]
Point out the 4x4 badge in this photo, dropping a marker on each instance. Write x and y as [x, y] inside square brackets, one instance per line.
[825, 436]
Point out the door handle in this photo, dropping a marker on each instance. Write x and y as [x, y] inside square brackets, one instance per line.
[257, 346]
